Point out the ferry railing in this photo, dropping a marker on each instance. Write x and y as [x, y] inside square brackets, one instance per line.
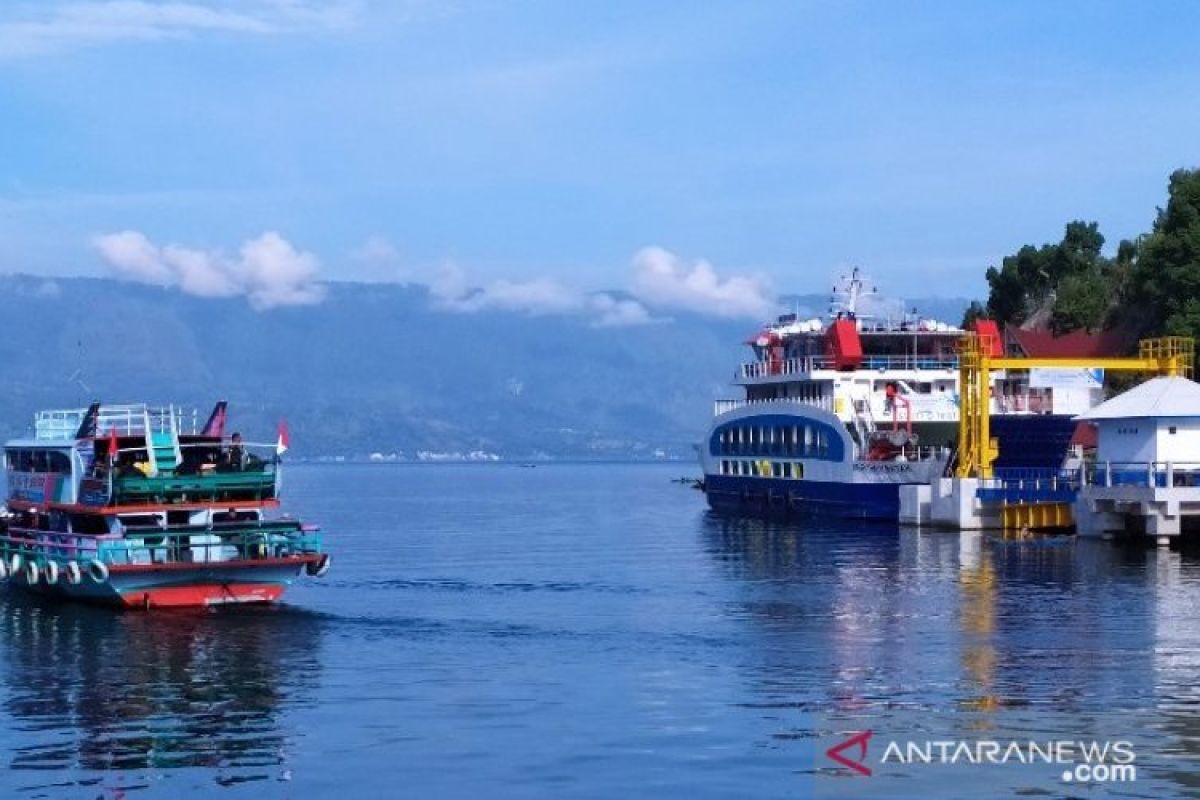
[773, 368]
[107, 480]
[722, 406]
[134, 419]
[236, 540]
[263, 452]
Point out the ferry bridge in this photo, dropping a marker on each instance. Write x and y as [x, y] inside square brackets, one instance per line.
[1030, 499]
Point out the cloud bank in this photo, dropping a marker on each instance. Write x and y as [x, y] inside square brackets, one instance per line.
[268, 271]
[664, 280]
[660, 283]
[452, 291]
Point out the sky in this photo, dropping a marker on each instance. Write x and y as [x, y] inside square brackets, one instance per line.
[525, 155]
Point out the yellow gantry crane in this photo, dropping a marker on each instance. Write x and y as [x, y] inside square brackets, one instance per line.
[977, 450]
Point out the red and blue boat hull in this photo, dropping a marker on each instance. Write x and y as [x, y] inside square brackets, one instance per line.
[179, 585]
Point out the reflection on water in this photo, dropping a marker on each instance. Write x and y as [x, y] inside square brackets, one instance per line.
[946, 635]
[590, 631]
[90, 690]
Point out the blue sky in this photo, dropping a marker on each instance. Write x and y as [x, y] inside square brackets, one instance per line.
[551, 143]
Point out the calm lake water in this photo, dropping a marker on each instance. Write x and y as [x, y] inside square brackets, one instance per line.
[590, 631]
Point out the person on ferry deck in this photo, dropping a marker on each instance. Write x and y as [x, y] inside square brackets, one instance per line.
[235, 457]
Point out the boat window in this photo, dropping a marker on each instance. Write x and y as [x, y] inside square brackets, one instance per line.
[89, 523]
[132, 521]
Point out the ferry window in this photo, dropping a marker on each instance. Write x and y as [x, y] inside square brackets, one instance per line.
[787, 469]
[88, 523]
[59, 462]
[140, 521]
[797, 471]
[777, 470]
[1171, 430]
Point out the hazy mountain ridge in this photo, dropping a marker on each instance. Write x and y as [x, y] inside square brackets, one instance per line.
[374, 368]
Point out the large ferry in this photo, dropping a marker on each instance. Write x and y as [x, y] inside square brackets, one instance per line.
[134, 506]
[839, 412]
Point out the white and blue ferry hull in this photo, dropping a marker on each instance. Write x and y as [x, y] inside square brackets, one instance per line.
[786, 458]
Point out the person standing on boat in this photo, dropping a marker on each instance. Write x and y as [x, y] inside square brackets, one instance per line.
[235, 458]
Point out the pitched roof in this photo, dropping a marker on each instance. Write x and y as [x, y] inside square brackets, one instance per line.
[1158, 397]
[1042, 343]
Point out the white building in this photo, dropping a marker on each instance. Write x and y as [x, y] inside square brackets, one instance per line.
[1147, 460]
[1156, 422]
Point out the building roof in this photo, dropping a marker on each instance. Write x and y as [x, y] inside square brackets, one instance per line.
[1157, 397]
[1042, 343]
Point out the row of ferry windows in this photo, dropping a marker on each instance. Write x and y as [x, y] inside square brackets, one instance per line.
[762, 469]
[37, 461]
[774, 440]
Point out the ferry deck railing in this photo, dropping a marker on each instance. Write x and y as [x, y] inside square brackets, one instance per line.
[236, 540]
[722, 406]
[777, 367]
[136, 419]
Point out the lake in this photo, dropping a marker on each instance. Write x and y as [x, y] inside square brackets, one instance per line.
[592, 631]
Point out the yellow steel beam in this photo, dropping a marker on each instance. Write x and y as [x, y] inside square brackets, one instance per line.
[977, 451]
[1115, 364]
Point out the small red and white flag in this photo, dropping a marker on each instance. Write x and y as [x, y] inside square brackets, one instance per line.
[285, 439]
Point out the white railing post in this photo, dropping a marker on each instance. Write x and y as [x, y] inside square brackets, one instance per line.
[1108, 474]
[1170, 475]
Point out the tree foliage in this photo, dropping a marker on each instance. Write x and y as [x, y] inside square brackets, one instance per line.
[1151, 286]
[1034, 276]
[1165, 276]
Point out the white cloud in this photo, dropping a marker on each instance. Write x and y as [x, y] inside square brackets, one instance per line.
[55, 27]
[661, 281]
[664, 280]
[268, 270]
[132, 256]
[613, 312]
[452, 291]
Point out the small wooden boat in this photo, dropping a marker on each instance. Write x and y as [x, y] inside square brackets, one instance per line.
[141, 507]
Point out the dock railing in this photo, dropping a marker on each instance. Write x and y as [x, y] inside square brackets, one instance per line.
[1148, 474]
[1030, 485]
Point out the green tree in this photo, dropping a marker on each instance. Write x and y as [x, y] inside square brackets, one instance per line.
[1027, 280]
[1081, 302]
[974, 311]
[1165, 279]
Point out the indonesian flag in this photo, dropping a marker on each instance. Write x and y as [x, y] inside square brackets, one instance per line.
[112, 445]
[285, 439]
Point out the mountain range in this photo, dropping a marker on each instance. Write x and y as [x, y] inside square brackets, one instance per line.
[379, 368]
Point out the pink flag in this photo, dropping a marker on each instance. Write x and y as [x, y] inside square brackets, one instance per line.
[284, 441]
